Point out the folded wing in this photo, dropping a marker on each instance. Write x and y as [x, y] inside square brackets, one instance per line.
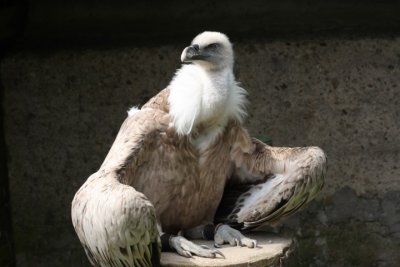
[270, 183]
[115, 223]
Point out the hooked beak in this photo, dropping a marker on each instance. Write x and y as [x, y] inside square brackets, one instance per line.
[192, 53]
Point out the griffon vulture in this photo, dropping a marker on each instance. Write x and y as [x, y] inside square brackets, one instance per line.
[165, 175]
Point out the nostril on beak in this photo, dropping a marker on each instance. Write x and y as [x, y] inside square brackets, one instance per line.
[196, 47]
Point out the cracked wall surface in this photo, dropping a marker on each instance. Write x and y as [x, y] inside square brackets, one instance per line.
[64, 107]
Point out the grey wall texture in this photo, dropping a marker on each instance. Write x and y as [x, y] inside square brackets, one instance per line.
[63, 108]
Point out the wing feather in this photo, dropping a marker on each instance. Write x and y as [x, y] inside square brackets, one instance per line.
[135, 141]
[159, 101]
[115, 223]
[276, 182]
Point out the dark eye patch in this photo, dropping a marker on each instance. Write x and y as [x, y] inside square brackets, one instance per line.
[213, 46]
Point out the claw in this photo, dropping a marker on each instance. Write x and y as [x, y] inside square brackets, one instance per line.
[214, 251]
[187, 254]
[217, 246]
[219, 253]
[253, 243]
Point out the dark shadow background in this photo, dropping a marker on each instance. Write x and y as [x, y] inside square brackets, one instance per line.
[69, 70]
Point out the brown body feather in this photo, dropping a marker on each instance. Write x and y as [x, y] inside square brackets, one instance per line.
[184, 184]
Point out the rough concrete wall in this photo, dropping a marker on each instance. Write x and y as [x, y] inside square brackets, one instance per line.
[64, 22]
[64, 108]
[7, 257]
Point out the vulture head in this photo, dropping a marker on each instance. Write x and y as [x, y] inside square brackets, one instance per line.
[211, 50]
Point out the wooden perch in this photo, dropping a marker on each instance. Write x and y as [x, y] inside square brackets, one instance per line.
[271, 251]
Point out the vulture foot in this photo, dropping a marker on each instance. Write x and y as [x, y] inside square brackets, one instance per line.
[226, 234]
[187, 248]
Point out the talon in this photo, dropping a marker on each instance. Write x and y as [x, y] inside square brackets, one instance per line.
[255, 243]
[187, 254]
[219, 253]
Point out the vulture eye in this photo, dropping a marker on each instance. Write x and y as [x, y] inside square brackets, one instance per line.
[213, 46]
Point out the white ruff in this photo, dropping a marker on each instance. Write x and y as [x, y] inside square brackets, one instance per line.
[133, 110]
[210, 98]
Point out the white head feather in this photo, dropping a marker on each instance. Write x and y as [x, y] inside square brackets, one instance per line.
[206, 91]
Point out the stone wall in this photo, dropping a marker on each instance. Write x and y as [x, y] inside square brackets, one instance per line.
[63, 109]
[7, 257]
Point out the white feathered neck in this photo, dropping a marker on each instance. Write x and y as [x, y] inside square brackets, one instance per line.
[210, 98]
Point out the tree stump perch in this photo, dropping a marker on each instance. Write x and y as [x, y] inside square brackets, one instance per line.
[271, 250]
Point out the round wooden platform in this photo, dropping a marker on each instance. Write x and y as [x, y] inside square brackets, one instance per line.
[270, 251]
